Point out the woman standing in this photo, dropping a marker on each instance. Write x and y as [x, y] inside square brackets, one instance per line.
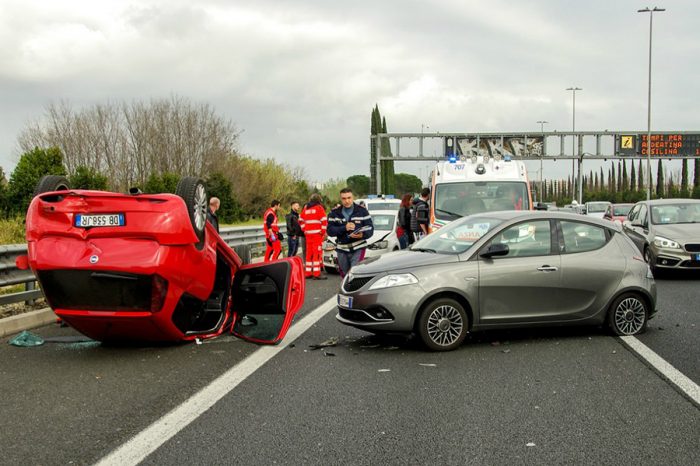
[404, 229]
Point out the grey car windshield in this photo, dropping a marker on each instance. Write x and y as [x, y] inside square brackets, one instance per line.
[458, 236]
[668, 214]
[454, 200]
[596, 207]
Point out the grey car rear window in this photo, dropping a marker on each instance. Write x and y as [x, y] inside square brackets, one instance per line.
[581, 237]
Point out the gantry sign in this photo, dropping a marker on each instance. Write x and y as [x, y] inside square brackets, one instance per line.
[602, 145]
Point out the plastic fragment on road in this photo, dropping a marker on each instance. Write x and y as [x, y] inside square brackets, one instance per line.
[505, 351]
[427, 364]
[530, 444]
[384, 370]
[332, 341]
[326, 353]
[27, 339]
[198, 341]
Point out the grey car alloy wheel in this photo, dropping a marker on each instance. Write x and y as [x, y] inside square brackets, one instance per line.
[443, 325]
[629, 315]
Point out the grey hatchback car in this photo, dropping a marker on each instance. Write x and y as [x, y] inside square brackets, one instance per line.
[502, 270]
[667, 232]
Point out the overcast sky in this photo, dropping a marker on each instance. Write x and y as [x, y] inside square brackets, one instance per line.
[300, 77]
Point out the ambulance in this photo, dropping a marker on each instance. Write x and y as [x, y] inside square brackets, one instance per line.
[480, 183]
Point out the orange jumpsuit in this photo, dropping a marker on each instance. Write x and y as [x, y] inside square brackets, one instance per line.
[272, 235]
[313, 223]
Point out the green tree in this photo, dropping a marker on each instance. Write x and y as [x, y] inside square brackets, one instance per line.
[31, 167]
[406, 183]
[3, 194]
[219, 186]
[685, 192]
[660, 180]
[642, 178]
[633, 178]
[613, 182]
[388, 186]
[165, 183]
[625, 178]
[696, 179]
[88, 178]
[359, 185]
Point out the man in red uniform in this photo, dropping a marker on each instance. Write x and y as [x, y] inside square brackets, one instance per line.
[273, 236]
[314, 223]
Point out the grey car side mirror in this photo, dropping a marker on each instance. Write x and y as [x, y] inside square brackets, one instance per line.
[497, 249]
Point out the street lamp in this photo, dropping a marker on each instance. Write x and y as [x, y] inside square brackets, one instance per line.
[573, 142]
[542, 123]
[651, 17]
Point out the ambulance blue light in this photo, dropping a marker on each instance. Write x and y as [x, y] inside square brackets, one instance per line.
[452, 159]
[507, 158]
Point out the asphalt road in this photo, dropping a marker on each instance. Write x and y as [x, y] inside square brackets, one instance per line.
[536, 396]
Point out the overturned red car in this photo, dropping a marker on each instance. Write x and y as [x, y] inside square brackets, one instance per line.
[144, 267]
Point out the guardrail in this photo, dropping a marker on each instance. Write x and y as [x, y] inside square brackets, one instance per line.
[248, 242]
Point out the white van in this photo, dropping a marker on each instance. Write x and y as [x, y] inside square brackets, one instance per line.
[477, 184]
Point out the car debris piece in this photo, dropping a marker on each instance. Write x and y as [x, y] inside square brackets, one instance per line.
[332, 341]
[326, 353]
[26, 339]
[384, 370]
[427, 365]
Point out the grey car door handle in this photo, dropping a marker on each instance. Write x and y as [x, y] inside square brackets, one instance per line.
[547, 268]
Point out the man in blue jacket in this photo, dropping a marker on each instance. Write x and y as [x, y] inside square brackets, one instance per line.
[352, 225]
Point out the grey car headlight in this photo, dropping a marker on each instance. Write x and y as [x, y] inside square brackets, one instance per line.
[661, 242]
[379, 245]
[399, 279]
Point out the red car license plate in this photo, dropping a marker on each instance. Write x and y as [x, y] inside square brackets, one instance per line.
[99, 220]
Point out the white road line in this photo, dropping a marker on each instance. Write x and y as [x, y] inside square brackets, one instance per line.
[677, 378]
[147, 441]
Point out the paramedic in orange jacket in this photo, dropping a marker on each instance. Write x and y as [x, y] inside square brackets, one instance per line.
[314, 223]
[273, 236]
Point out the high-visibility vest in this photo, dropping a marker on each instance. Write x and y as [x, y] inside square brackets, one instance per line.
[313, 220]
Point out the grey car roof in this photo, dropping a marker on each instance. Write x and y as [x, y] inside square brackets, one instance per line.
[670, 201]
[518, 215]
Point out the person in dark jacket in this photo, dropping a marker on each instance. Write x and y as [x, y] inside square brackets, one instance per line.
[294, 232]
[403, 232]
[214, 204]
[420, 220]
[352, 225]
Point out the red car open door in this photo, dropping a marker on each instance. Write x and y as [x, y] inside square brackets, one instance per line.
[265, 298]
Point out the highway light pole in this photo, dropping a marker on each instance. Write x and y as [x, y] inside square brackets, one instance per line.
[573, 143]
[651, 18]
[542, 123]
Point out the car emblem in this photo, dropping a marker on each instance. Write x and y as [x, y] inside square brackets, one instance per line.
[94, 259]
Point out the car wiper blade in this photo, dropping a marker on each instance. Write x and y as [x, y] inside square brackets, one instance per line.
[424, 250]
[448, 212]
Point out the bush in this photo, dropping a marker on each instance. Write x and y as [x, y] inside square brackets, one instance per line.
[12, 231]
[31, 167]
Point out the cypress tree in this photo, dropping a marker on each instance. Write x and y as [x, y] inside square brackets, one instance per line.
[660, 180]
[619, 176]
[684, 179]
[641, 178]
[625, 179]
[373, 152]
[696, 179]
[633, 177]
[613, 182]
[388, 184]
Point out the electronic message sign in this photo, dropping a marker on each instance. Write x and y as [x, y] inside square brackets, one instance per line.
[662, 145]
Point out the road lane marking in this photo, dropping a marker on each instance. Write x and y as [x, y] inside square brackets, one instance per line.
[673, 375]
[150, 439]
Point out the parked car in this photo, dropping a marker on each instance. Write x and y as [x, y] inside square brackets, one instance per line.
[667, 232]
[596, 208]
[380, 203]
[149, 267]
[617, 212]
[502, 270]
[383, 239]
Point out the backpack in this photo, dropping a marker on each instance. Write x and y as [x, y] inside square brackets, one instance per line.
[415, 226]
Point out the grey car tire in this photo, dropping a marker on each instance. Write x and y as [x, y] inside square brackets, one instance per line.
[443, 324]
[628, 314]
[193, 192]
[51, 183]
[649, 259]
